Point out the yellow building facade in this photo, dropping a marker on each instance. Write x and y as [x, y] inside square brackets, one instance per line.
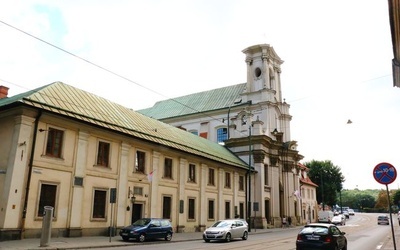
[101, 166]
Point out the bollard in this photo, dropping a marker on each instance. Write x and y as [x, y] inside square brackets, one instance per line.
[46, 226]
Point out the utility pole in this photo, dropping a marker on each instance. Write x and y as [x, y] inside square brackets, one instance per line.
[322, 191]
[249, 182]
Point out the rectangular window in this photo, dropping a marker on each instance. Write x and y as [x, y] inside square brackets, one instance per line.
[138, 191]
[241, 183]
[140, 161]
[99, 204]
[227, 180]
[222, 135]
[54, 142]
[241, 210]
[168, 168]
[192, 209]
[103, 154]
[210, 209]
[192, 173]
[211, 177]
[194, 132]
[48, 195]
[266, 181]
[166, 212]
[227, 209]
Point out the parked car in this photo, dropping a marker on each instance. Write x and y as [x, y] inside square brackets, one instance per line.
[147, 228]
[226, 230]
[346, 213]
[321, 236]
[339, 220]
[383, 219]
[351, 211]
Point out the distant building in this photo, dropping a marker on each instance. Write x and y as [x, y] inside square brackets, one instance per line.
[251, 119]
[100, 165]
[308, 196]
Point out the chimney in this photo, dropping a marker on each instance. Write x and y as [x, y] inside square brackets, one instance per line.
[3, 92]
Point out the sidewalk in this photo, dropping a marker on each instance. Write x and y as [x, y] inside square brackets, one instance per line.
[97, 241]
[388, 244]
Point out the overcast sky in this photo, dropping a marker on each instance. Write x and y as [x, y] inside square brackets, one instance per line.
[337, 65]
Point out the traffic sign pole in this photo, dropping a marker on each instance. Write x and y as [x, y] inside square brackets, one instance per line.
[385, 173]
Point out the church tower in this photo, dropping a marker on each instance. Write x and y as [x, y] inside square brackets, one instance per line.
[264, 126]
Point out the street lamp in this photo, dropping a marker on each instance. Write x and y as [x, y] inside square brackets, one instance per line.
[249, 176]
[246, 120]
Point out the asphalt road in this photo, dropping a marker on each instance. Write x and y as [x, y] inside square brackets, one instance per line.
[361, 231]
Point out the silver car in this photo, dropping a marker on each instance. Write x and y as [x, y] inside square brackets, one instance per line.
[226, 230]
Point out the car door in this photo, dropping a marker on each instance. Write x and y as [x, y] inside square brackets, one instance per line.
[154, 230]
[165, 228]
[338, 236]
[238, 229]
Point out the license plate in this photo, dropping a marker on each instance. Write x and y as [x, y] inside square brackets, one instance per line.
[124, 234]
[312, 237]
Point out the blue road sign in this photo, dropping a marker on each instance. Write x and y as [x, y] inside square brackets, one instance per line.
[385, 173]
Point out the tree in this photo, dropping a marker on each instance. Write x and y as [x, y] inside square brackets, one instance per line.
[329, 179]
[382, 202]
[396, 197]
[359, 199]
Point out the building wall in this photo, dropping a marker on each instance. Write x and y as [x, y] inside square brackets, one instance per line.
[74, 201]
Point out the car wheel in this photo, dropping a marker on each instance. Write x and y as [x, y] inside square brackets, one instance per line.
[125, 238]
[168, 237]
[245, 235]
[345, 246]
[206, 240]
[228, 237]
[141, 238]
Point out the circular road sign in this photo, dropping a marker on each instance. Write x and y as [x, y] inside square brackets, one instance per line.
[385, 173]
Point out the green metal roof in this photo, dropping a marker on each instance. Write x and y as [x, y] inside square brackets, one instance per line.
[69, 101]
[195, 103]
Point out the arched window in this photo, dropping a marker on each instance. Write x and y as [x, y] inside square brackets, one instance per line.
[222, 135]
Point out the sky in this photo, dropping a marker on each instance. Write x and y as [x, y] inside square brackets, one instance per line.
[337, 62]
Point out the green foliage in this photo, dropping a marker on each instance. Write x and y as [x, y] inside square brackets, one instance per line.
[358, 199]
[370, 200]
[329, 179]
[396, 197]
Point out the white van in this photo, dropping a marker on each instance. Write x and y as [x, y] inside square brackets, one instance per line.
[325, 216]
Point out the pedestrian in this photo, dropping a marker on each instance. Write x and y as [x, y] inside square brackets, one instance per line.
[284, 221]
[289, 220]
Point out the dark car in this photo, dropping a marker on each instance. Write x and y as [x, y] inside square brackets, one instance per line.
[383, 219]
[321, 236]
[147, 228]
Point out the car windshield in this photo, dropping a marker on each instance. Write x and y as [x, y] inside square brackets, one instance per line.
[222, 224]
[314, 230]
[141, 222]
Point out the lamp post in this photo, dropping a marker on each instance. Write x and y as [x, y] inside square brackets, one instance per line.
[249, 182]
[322, 191]
[132, 199]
